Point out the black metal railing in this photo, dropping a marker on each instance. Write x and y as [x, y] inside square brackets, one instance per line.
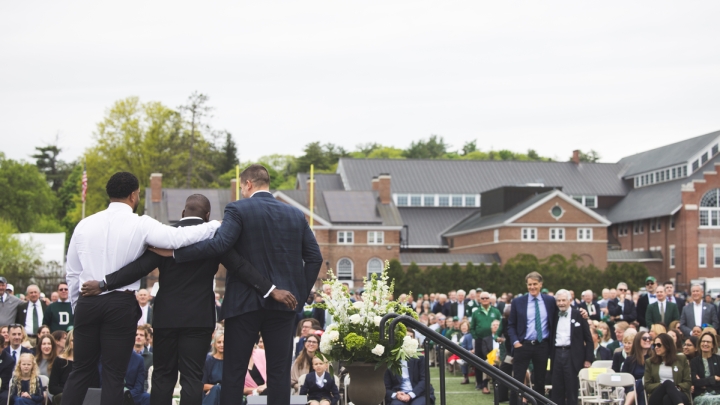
[443, 343]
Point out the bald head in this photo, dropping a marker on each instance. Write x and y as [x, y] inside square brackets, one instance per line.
[197, 205]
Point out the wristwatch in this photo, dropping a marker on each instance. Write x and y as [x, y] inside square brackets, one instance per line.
[102, 285]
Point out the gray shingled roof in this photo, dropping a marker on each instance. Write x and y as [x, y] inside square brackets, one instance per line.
[301, 197]
[474, 176]
[369, 210]
[169, 210]
[323, 181]
[476, 220]
[625, 256]
[658, 200]
[668, 155]
[426, 225]
[437, 259]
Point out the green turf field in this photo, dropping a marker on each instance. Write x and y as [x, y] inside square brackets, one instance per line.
[457, 394]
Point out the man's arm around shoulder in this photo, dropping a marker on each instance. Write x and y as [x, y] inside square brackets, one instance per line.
[225, 238]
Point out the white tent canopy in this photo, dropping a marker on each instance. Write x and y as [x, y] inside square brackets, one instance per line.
[51, 246]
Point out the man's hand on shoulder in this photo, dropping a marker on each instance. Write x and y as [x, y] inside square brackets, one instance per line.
[162, 252]
[90, 288]
[284, 297]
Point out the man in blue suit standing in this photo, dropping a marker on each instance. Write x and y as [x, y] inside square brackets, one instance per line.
[276, 239]
[530, 328]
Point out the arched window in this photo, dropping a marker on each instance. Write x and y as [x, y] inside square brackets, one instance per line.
[375, 265]
[710, 209]
[345, 269]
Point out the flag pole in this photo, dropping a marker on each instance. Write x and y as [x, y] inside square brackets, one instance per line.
[237, 182]
[312, 194]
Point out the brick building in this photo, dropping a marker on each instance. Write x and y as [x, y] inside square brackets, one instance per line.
[660, 208]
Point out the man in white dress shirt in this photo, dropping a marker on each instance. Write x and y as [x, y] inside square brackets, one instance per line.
[697, 312]
[105, 324]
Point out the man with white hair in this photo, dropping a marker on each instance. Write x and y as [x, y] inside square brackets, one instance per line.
[442, 306]
[592, 308]
[622, 307]
[605, 298]
[571, 350]
[458, 307]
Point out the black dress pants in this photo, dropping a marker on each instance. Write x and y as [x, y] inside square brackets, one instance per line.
[183, 350]
[522, 356]
[668, 394]
[105, 327]
[241, 333]
[565, 383]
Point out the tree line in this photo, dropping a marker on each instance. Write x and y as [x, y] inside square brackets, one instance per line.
[557, 271]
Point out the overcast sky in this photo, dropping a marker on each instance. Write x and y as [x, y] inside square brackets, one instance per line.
[617, 77]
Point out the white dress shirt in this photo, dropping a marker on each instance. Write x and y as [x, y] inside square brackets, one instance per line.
[143, 318]
[33, 306]
[105, 242]
[697, 309]
[320, 379]
[563, 331]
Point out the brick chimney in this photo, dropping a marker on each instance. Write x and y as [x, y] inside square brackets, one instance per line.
[156, 187]
[384, 188]
[233, 190]
[576, 157]
[375, 183]
[314, 191]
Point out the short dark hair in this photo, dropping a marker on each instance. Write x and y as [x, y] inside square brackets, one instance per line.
[121, 185]
[62, 283]
[197, 203]
[257, 174]
[669, 283]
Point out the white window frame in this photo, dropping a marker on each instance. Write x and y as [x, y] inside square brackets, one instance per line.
[410, 200]
[557, 234]
[373, 239]
[352, 270]
[345, 235]
[672, 256]
[582, 199]
[531, 234]
[460, 196]
[382, 265]
[449, 197]
[702, 255]
[672, 222]
[407, 200]
[496, 235]
[581, 232]
[716, 255]
[427, 196]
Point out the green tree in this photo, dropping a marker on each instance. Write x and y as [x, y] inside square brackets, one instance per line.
[324, 157]
[432, 148]
[228, 158]
[396, 274]
[590, 157]
[26, 200]
[196, 111]
[55, 170]
[469, 147]
[18, 261]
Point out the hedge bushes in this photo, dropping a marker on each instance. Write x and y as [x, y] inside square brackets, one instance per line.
[558, 272]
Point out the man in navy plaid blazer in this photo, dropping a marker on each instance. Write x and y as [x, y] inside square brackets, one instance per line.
[276, 239]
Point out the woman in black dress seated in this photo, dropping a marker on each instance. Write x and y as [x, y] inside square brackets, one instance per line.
[635, 365]
[61, 368]
[705, 372]
[212, 374]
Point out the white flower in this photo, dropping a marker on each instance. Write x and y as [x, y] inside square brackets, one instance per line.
[378, 350]
[409, 346]
[356, 319]
[358, 304]
[333, 335]
[325, 346]
[377, 320]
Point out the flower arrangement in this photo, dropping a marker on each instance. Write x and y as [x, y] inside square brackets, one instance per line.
[355, 334]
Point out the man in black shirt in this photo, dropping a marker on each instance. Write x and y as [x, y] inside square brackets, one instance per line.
[184, 312]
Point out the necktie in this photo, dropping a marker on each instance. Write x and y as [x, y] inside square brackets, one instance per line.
[2, 299]
[538, 323]
[662, 312]
[15, 355]
[563, 313]
[35, 320]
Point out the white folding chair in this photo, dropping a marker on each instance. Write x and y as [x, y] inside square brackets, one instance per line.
[613, 385]
[587, 388]
[602, 364]
[45, 380]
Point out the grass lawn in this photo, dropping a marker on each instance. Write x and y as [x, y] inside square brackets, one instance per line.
[457, 394]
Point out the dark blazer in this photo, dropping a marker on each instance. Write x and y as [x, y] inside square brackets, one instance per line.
[319, 315]
[454, 309]
[652, 315]
[135, 377]
[486, 347]
[628, 311]
[445, 309]
[416, 369]
[602, 353]
[618, 360]
[187, 299]
[23, 349]
[22, 312]
[581, 345]
[7, 366]
[275, 238]
[687, 318]
[517, 323]
[500, 305]
[59, 374]
[329, 390]
[597, 316]
[697, 369]
[642, 306]
[679, 301]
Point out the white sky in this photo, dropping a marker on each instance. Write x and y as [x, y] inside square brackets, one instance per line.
[617, 77]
